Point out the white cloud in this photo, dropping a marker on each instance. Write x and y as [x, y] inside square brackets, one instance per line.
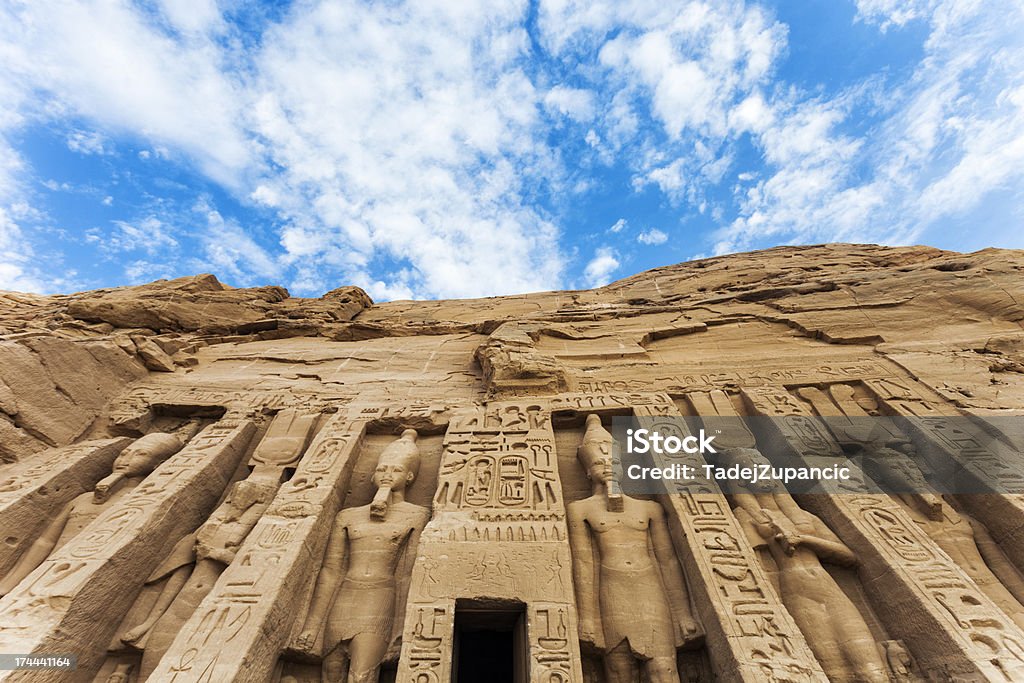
[652, 236]
[598, 271]
[575, 103]
[107, 62]
[87, 142]
[953, 134]
[404, 135]
[618, 225]
[404, 146]
[889, 13]
[149, 234]
[229, 250]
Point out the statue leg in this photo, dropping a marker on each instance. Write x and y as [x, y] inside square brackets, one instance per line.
[167, 627]
[863, 657]
[334, 669]
[366, 651]
[662, 670]
[620, 665]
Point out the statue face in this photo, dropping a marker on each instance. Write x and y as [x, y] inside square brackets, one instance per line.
[136, 462]
[393, 475]
[601, 467]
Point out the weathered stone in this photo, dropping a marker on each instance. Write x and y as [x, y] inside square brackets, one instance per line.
[153, 356]
[376, 483]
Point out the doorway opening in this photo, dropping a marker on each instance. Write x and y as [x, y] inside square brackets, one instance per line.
[490, 643]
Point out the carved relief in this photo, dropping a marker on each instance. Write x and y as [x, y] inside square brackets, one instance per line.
[634, 606]
[799, 542]
[132, 528]
[356, 607]
[130, 467]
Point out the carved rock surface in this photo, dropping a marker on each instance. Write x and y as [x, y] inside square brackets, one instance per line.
[300, 464]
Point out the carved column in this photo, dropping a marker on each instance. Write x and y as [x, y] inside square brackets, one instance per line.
[243, 624]
[963, 444]
[498, 533]
[34, 491]
[950, 626]
[73, 601]
[750, 635]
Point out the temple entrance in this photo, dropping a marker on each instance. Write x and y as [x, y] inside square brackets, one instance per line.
[490, 643]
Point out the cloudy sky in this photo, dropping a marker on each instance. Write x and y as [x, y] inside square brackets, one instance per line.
[452, 149]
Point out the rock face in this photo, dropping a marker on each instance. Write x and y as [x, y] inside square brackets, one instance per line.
[203, 483]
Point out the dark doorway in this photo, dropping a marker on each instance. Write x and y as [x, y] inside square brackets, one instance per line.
[490, 642]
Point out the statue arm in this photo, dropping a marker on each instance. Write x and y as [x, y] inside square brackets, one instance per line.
[996, 560]
[175, 582]
[749, 503]
[583, 576]
[827, 545]
[327, 582]
[37, 552]
[406, 567]
[672, 576]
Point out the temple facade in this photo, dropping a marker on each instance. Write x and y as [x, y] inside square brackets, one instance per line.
[210, 484]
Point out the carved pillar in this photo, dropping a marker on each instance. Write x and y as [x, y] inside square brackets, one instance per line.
[73, 602]
[750, 635]
[240, 628]
[925, 599]
[962, 443]
[36, 490]
[497, 533]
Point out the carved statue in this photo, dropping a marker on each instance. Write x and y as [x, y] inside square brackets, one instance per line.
[631, 593]
[132, 465]
[195, 563]
[798, 542]
[964, 539]
[357, 604]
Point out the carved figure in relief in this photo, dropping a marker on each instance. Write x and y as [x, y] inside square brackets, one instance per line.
[357, 603]
[964, 539]
[132, 465]
[630, 590]
[798, 542]
[194, 565]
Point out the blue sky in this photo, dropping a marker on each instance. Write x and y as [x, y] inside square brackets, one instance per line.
[449, 149]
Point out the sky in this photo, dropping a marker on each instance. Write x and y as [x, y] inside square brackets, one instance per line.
[439, 149]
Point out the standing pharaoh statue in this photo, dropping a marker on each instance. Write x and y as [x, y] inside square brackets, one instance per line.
[194, 565]
[966, 541]
[357, 604]
[799, 542]
[630, 590]
[132, 465]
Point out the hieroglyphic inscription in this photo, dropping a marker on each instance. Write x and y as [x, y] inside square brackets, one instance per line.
[966, 450]
[246, 619]
[852, 369]
[498, 518]
[898, 558]
[122, 546]
[427, 642]
[36, 490]
[553, 640]
[750, 634]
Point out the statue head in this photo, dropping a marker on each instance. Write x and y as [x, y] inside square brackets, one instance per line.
[145, 454]
[137, 460]
[399, 463]
[745, 457]
[396, 469]
[595, 453]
